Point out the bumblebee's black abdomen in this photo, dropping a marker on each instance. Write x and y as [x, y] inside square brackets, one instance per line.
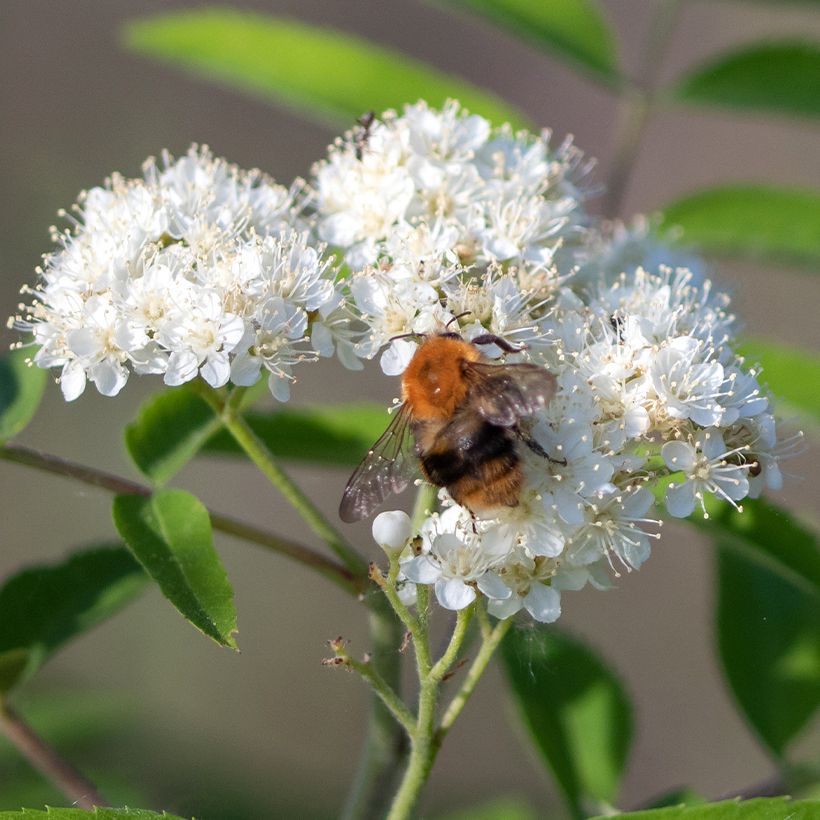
[476, 461]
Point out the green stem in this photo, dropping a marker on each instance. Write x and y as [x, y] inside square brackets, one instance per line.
[262, 457]
[488, 646]
[444, 663]
[355, 584]
[426, 739]
[386, 743]
[48, 761]
[422, 753]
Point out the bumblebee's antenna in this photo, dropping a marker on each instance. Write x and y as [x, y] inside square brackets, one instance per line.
[456, 318]
[407, 336]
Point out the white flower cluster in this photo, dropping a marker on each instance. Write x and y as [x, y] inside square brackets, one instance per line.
[649, 388]
[440, 221]
[197, 268]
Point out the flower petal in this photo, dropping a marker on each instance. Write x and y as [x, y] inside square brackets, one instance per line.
[454, 593]
[543, 603]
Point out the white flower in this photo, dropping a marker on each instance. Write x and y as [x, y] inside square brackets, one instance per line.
[524, 577]
[200, 335]
[458, 562]
[688, 386]
[611, 529]
[704, 463]
[392, 530]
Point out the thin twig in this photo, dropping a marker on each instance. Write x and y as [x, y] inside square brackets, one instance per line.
[110, 482]
[48, 761]
[368, 671]
[637, 105]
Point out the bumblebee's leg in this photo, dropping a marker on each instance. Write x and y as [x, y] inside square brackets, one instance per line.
[492, 339]
[537, 448]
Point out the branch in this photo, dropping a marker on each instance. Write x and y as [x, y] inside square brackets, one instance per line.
[48, 761]
[340, 575]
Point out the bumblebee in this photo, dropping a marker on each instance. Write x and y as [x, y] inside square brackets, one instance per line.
[464, 414]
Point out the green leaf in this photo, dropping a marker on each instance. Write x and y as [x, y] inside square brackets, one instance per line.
[170, 534]
[791, 373]
[770, 77]
[169, 430]
[769, 640]
[768, 536]
[324, 434]
[781, 225]
[678, 797]
[504, 808]
[43, 607]
[768, 808]
[332, 76]
[575, 710]
[83, 814]
[574, 29]
[768, 615]
[21, 388]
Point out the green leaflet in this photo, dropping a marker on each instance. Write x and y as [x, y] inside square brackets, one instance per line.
[331, 76]
[43, 607]
[769, 77]
[781, 225]
[83, 814]
[791, 374]
[21, 388]
[575, 711]
[170, 534]
[768, 633]
[775, 808]
[573, 29]
[505, 808]
[169, 430]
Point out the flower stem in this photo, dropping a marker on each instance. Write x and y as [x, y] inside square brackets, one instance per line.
[262, 457]
[386, 744]
[427, 738]
[488, 647]
[342, 576]
[48, 761]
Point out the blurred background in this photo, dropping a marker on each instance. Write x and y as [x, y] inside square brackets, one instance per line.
[160, 715]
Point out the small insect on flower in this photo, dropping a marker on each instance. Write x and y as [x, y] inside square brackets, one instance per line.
[464, 413]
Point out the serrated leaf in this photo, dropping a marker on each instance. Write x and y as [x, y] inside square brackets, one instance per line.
[169, 430]
[769, 640]
[574, 29]
[792, 374]
[768, 808]
[43, 607]
[575, 711]
[170, 534]
[21, 388]
[83, 814]
[331, 76]
[770, 77]
[781, 225]
[323, 434]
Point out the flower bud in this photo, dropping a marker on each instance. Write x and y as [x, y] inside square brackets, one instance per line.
[392, 530]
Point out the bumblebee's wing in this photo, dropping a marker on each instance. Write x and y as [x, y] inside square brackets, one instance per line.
[503, 393]
[386, 469]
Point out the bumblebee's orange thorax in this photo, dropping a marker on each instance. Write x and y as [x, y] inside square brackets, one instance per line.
[433, 384]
